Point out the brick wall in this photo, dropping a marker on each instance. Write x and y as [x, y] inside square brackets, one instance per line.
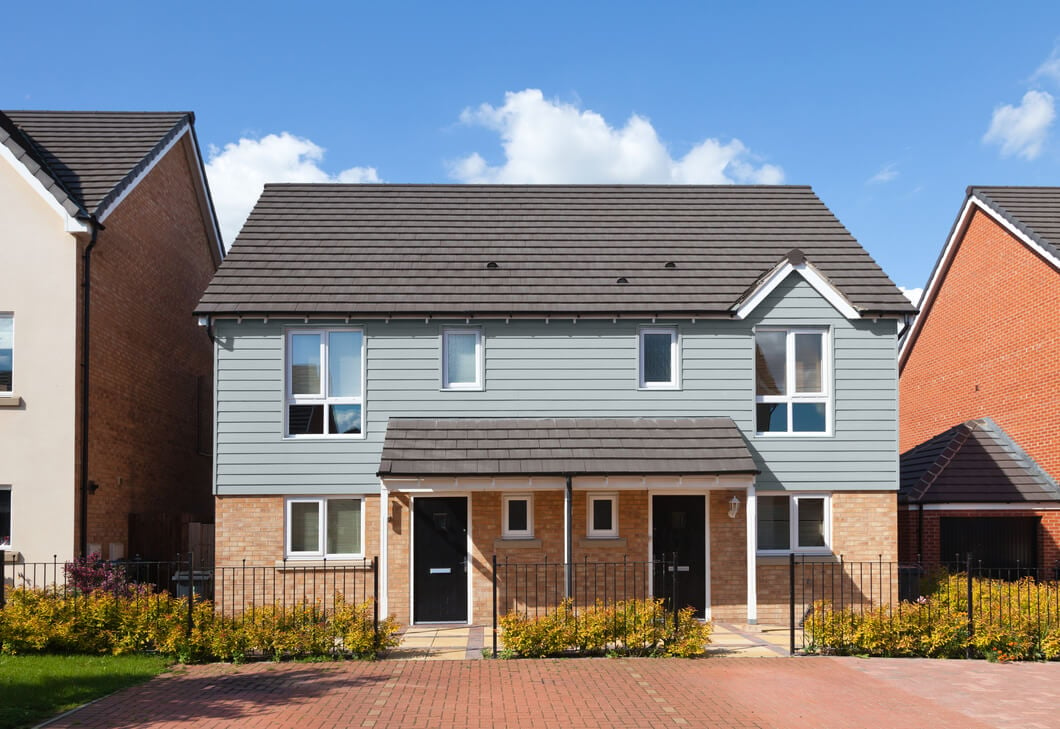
[910, 522]
[990, 346]
[149, 360]
[250, 534]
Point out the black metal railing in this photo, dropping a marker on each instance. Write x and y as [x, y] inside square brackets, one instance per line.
[241, 590]
[839, 606]
[537, 589]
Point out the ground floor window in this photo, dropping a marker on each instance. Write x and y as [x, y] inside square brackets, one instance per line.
[517, 517]
[794, 523]
[5, 517]
[603, 515]
[325, 527]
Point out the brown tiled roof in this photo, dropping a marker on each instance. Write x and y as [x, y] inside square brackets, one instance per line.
[86, 158]
[563, 446]
[974, 462]
[535, 249]
[1033, 210]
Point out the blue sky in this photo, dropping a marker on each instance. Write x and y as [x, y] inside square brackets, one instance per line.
[889, 111]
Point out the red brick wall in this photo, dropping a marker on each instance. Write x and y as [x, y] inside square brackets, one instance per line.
[990, 346]
[910, 521]
[148, 358]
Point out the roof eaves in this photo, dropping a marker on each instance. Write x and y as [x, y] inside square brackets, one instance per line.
[25, 152]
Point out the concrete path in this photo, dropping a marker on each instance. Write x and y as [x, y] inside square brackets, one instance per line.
[720, 693]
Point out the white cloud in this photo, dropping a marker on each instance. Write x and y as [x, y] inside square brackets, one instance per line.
[552, 142]
[1021, 130]
[913, 295]
[238, 173]
[1050, 68]
[887, 173]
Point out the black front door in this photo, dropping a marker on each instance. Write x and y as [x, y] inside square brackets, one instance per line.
[679, 527]
[439, 559]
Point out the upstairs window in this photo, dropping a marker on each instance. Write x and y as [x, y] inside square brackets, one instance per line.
[658, 358]
[794, 523]
[325, 383]
[7, 349]
[461, 359]
[791, 381]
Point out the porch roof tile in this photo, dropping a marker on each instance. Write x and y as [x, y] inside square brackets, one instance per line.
[564, 446]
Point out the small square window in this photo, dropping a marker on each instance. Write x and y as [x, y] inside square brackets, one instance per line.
[658, 358]
[325, 528]
[461, 359]
[603, 515]
[518, 516]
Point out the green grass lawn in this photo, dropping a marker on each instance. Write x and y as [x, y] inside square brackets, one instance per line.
[32, 688]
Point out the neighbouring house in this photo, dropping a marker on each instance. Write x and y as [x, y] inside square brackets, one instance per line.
[979, 387]
[105, 380]
[438, 375]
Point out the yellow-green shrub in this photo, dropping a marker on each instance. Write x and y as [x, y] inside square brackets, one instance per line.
[629, 627]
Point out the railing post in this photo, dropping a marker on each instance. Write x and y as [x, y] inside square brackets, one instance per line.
[495, 605]
[375, 599]
[673, 594]
[3, 581]
[791, 604]
[191, 591]
[968, 651]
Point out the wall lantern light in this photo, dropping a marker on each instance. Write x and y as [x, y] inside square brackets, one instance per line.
[734, 507]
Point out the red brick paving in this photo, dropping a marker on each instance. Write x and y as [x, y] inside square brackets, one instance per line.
[721, 693]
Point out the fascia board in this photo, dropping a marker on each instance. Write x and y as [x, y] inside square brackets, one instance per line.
[811, 275]
[70, 223]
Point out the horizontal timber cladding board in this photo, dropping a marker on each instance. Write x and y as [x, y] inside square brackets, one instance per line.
[534, 369]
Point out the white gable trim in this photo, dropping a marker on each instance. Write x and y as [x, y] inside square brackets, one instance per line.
[811, 275]
[113, 204]
[70, 223]
[943, 264]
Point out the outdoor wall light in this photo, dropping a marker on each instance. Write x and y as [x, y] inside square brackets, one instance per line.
[734, 507]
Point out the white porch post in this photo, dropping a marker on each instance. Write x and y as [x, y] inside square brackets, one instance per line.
[752, 547]
[568, 531]
[384, 527]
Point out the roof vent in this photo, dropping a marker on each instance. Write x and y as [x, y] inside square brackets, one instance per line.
[670, 264]
[492, 264]
[622, 280]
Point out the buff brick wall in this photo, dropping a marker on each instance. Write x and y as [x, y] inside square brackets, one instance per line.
[990, 346]
[250, 551]
[148, 360]
[910, 521]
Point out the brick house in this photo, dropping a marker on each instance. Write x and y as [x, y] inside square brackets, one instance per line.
[441, 375]
[110, 237]
[980, 371]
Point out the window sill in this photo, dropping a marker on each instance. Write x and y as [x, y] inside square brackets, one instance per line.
[517, 543]
[784, 559]
[10, 401]
[11, 556]
[602, 542]
[319, 564]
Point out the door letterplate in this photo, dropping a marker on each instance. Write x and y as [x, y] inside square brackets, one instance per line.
[680, 568]
[441, 570]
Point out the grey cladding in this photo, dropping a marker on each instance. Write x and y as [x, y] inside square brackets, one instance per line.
[563, 446]
[495, 250]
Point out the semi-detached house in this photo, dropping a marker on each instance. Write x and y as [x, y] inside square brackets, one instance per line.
[437, 375]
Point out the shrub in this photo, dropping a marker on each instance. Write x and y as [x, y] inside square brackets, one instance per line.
[100, 621]
[629, 627]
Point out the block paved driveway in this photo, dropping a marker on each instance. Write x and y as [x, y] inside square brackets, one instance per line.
[768, 693]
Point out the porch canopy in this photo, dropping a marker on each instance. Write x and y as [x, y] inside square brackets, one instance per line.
[584, 446]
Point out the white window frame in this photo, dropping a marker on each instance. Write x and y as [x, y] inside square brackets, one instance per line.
[675, 359]
[593, 533]
[793, 524]
[322, 398]
[792, 398]
[506, 531]
[322, 522]
[478, 384]
[10, 316]
[7, 545]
